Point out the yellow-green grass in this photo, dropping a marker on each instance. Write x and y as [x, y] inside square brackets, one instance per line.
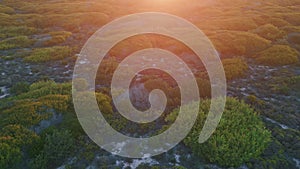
[278, 55]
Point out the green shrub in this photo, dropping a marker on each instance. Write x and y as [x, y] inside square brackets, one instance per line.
[23, 113]
[19, 88]
[39, 162]
[26, 110]
[44, 88]
[277, 55]
[12, 31]
[49, 54]
[56, 101]
[16, 42]
[9, 156]
[20, 136]
[57, 146]
[234, 68]
[234, 43]
[269, 32]
[104, 103]
[239, 137]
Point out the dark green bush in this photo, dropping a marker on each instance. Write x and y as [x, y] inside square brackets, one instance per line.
[57, 146]
[19, 88]
[48, 54]
[9, 156]
[278, 55]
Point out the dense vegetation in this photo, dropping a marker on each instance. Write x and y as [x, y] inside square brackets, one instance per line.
[39, 128]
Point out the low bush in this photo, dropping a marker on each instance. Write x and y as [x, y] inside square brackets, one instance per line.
[265, 19]
[28, 109]
[269, 32]
[20, 136]
[234, 68]
[239, 137]
[278, 55]
[234, 43]
[12, 31]
[16, 42]
[7, 20]
[23, 113]
[6, 9]
[49, 54]
[44, 88]
[57, 146]
[9, 156]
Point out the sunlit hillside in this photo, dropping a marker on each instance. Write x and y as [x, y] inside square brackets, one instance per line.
[257, 41]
